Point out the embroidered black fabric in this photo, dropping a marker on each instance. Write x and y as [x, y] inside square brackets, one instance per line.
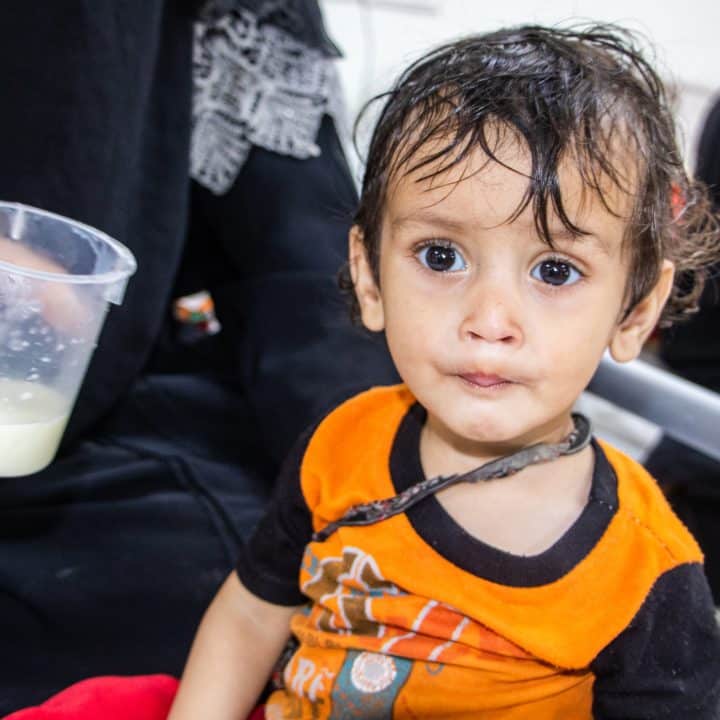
[300, 18]
[256, 85]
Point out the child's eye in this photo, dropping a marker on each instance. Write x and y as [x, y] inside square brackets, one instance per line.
[441, 258]
[556, 272]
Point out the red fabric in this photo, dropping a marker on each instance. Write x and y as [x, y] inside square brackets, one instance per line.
[140, 697]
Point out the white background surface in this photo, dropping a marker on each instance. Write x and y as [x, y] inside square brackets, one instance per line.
[380, 37]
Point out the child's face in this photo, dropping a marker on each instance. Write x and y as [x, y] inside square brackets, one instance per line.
[495, 333]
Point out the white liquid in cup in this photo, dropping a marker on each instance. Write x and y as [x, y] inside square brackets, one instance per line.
[32, 421]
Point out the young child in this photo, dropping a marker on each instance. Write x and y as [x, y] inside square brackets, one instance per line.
[524, 209]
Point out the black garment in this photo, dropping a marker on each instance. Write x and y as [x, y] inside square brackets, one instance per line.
[110, 555]
[95, 125]
[692, 349]
[270, 251]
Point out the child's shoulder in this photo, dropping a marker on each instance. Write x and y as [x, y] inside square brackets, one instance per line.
[383, 399]
[374, 413]
[351, 446]
[642, 504]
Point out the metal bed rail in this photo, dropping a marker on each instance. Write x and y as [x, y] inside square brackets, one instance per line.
[685, 411]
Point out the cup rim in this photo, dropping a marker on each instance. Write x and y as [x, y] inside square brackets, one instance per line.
[106, 278]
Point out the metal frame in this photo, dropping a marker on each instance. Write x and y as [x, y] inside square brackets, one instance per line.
[685, 411]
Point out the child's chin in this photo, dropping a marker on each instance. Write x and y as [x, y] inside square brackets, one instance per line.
[493, 435]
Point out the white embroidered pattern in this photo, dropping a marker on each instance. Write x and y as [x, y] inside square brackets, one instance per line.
[255, 85]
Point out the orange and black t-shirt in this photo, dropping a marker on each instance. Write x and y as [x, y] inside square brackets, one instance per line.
[412, 617]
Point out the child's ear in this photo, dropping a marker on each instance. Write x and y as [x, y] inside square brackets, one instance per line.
[366, 289]
[633, 331]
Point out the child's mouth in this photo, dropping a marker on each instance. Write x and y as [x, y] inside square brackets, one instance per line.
[484, 381]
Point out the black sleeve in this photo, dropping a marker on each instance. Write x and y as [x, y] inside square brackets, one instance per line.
[269, 562]
[666, 664]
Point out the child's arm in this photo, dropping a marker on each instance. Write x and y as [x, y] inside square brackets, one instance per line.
[239, 640]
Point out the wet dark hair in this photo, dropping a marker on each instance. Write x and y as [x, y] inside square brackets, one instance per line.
[583, 93]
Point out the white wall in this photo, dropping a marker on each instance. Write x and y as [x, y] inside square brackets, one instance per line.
[379, 38]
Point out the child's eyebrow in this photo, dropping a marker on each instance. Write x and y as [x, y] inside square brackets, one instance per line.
[430, 217]
[441, 221]
[588, 238]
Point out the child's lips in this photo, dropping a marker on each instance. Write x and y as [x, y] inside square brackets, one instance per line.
[484, 380]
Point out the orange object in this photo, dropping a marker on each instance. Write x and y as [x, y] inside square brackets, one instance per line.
[197, 310]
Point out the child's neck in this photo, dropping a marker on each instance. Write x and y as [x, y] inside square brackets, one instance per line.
[444, 453]
[523, 514]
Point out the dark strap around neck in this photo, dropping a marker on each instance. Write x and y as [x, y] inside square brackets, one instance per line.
[379, 510]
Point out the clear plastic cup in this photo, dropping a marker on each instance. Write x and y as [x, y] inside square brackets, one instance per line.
[57, 277]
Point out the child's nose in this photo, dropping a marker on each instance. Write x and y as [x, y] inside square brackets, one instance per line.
[492, 314]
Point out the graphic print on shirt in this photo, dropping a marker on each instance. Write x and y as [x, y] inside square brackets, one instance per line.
[368, 685]
[344, 588]
[352, 597]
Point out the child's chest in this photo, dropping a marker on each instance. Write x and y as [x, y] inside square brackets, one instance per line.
[521, 516]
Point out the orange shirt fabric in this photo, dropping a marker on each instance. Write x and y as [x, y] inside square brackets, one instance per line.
[405, 624]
